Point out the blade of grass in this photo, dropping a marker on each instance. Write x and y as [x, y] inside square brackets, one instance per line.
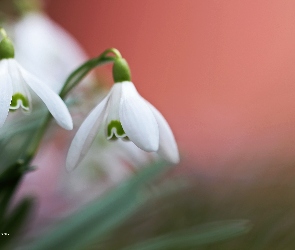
[100, 217]
[209, 233]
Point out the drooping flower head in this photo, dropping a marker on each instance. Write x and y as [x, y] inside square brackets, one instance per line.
[15, 86]
[124, 114]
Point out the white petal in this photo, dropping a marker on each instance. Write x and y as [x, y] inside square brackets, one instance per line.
[54, 103]
[5, 91]
[85, 135]
[48, 52]
[168, 147]
[114, 102]
[137, 119]
[113, 110]
[19, 86]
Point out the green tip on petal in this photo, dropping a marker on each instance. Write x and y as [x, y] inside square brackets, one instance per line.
[115, 131]
[6, 48]
[18, 100]
[121, 71]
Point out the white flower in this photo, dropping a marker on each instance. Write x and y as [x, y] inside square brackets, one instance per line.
[46, 50]
[15, 83]
[124, 114]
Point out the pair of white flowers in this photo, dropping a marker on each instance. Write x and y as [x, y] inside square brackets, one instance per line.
[123, 113]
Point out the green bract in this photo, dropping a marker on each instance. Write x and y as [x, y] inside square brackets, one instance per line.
[121, 71]
[6, 49]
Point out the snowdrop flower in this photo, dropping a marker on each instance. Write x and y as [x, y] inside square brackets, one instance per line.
[48, 51]
[16, 83]
[124, 114]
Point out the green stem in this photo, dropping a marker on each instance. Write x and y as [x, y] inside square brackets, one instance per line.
[21, 165]
[71, 82]
[112, 51]
[11, 177]
[81, 72]
[6, 194]
[33, 146]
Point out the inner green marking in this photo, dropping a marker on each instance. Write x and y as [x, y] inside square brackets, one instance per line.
[115, 124]
[19, 100]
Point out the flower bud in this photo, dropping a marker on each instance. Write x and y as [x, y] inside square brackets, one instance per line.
[6, 49]
[121, 71]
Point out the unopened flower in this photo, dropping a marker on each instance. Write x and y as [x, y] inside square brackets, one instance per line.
[124, 114]
[16, 83]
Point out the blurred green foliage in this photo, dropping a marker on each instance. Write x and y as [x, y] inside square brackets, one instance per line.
[131, 217]
[180, 212]
[149, 212]
[268, 204]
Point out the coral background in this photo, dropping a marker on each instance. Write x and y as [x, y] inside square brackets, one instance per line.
[221, 72]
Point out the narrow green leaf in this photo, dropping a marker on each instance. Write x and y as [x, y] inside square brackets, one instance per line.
[14, 221]
[100, 217]
[207, 234]
[6, 192]
[18, 215]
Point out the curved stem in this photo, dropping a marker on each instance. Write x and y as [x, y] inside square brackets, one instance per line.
[17, 169]
[81, 72]
[113, 51]
[72, 81]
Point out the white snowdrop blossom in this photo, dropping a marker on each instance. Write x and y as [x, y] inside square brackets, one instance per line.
[15, 83]
[48, 51]
[15, 86]
[124, 114]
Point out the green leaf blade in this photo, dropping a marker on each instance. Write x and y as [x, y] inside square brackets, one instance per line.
[208, 234]
[100, 217]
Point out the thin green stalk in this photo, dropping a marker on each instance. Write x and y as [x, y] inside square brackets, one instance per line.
[78, 75]
[71, 82]
[5, 196]
[33, 146]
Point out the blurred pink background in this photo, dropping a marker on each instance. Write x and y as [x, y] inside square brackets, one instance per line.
[221, 72]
